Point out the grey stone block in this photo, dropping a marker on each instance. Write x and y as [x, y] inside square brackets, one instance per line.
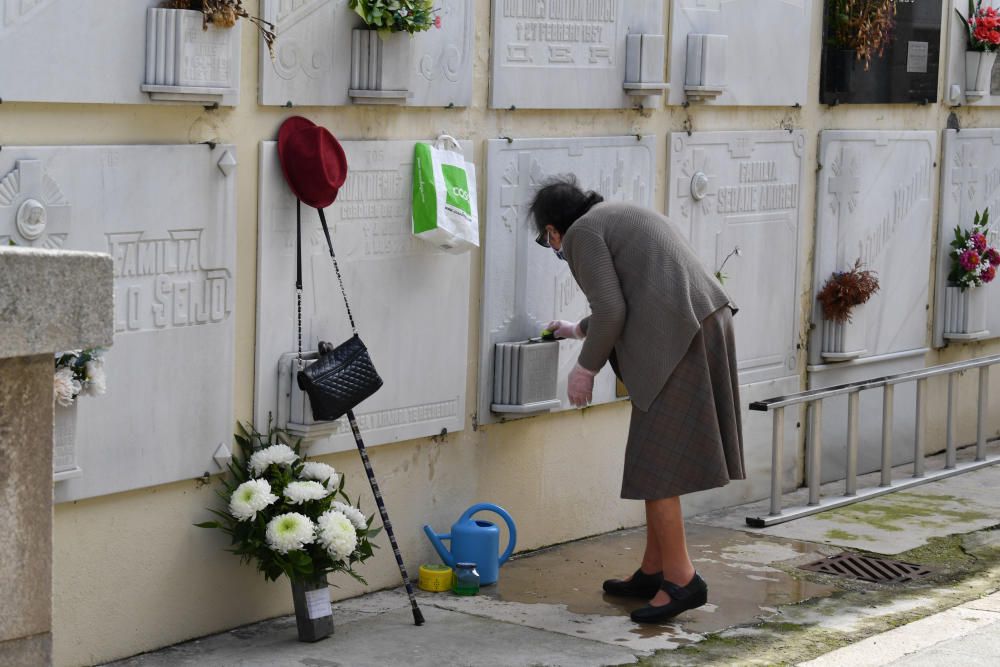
[32, 651]
[54, 300]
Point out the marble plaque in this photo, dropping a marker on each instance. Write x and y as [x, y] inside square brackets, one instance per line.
[874, 194]
[167, 217]
[312, 63]
[410, 300]
[757, 72]
[82, 51]
[524, 285]
[559, 54]
[907, 70]
[956, 87]
[970, 182]
[742, 191]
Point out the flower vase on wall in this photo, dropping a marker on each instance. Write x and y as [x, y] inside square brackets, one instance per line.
[64, 442]
[380, 66]
[978, 72]
[843, 341]
[965, 313]
[313, 613]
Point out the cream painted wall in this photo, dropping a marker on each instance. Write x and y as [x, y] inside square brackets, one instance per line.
[132, 574]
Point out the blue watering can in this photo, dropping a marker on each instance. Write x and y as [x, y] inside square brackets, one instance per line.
[476, 542]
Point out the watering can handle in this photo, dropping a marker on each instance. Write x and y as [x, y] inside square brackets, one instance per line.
[496, 509]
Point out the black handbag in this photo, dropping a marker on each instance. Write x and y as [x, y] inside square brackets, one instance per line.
[342, 376]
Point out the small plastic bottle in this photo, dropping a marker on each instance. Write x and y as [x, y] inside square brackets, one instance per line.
[466, 579]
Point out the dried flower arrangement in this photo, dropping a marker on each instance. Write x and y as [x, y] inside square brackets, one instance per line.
[845, 290]
[863, 25]
[983, 26]
[397, 15]
[224, 14]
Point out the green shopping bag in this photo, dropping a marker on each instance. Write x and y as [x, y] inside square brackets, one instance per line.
[444, 196]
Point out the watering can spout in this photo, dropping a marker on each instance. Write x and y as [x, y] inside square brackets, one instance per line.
[439, 546]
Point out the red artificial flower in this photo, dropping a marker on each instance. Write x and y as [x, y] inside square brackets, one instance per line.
[979, 241]
[992, 256]
[982, 33]
[989, 274]
[437, 21]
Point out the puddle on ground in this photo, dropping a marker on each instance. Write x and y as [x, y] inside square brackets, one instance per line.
[742, 584]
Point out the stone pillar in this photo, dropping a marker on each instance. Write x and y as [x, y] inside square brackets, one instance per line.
[49, 301]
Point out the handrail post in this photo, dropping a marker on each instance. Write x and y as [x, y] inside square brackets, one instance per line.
[851, 482]
[777, 455]
[984, 401]
[887, 418]
[920, 434]
[815, 447]
[949, 457]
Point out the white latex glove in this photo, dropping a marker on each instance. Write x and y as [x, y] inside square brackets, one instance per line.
[565, 329]
[580, 386]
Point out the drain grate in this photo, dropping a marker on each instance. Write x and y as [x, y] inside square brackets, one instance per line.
[878, 570]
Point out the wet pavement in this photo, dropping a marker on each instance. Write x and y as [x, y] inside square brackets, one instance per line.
[549, 609]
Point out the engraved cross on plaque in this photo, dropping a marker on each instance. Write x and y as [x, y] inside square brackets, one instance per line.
[965, 175]
[521, 192]
[844, 185]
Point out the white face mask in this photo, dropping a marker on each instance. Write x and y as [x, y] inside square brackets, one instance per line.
[558, 253]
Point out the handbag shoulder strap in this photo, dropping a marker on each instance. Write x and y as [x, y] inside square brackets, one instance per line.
[336, 267]
[298, 270]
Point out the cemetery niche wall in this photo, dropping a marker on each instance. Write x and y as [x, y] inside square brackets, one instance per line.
[555, 54]
[874, 203]
[717, 55]
[316, 50]
[115, 52]
[169, 401]
[524, 285]
[410, 302]
[899, 52]
[964, 84]
[970, 183]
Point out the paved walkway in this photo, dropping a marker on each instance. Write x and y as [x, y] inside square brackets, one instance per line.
[966, 635]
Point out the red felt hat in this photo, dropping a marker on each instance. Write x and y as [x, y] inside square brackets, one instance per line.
[312, 160]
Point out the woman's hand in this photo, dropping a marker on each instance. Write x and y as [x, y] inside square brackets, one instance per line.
[565, 329]
[580, 386]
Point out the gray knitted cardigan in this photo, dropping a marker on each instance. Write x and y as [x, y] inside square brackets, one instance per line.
[648, 294]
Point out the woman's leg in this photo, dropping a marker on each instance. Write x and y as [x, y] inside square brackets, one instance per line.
[665, 521]
[652, 559]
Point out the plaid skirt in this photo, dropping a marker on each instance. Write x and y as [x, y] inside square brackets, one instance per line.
[691, 438]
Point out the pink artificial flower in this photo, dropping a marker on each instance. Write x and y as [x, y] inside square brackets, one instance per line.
[979, 241]
[969, 260]
[992, 256]
[437, 21]
[989, 274]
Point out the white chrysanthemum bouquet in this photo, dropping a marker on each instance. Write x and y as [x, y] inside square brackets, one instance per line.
[286, 514]
[78, 372]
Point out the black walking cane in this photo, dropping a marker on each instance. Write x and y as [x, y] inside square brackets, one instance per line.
[418, 617]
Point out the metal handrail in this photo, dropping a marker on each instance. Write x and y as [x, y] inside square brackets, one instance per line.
[813, 399]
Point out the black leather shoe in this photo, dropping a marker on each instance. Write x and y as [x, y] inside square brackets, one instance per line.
[641, 585]
[682, 598]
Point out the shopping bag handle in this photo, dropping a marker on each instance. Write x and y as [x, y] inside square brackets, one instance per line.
[446, 140]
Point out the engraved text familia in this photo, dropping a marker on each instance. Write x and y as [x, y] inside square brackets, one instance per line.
[161, 283]
[759, 190]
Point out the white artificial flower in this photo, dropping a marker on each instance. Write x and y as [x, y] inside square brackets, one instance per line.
[275, 454]
[321, 472]
[290, 532]
[249, 498]
[96, 378]
[336, 533]
[299, 492]
[65, 386]
[352, 513]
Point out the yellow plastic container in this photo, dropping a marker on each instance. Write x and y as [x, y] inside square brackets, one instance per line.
[435, 578]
